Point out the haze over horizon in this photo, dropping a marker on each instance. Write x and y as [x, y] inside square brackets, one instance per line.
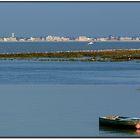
[91, 19]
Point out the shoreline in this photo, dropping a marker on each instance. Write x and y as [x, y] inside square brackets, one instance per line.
[93, 55]
[98, 41]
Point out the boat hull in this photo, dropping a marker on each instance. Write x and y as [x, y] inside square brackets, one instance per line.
[120, 123]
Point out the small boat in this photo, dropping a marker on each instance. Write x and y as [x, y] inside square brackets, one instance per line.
[120, 122]
[90, 43]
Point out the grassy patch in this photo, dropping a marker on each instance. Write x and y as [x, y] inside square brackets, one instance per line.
[101, 55]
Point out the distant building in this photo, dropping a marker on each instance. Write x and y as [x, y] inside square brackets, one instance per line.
[137, 38]
[13, 35]
[56, 38]
[34, 39]
[22, 39]
[125, 38]
[43, 38]
[1, 39]
[113, 38]
[83, 38]
[102, 39]
[10, 39]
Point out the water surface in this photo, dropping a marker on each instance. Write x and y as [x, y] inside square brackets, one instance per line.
[23, 47]
[73, 73]
[65, 111]
[65, 99]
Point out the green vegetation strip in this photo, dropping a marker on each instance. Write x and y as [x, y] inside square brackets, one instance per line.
[100, 55]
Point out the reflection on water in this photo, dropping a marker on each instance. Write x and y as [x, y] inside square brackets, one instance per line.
[54, 99]
[119, 131]
[64, 111]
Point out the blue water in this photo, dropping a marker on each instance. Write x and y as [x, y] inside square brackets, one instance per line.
[12, 47]
[65, 111]
[69, 73]
[65, 99]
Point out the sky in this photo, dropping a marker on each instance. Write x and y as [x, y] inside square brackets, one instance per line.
[71, 19]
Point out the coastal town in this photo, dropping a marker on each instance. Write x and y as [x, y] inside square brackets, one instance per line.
[50, 38]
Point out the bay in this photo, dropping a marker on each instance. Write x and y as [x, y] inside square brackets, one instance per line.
[65, 99]
[23, 47]
[65, 111]
[69, 73]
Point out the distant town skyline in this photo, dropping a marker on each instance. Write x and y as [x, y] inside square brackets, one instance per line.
[93, 19]
[14, 38]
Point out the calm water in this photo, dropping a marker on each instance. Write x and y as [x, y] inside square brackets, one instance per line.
[69, 73]
[11, 47]
[65, 99]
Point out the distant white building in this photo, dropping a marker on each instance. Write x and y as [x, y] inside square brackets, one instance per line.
[126, 38]
[22, 39]
[83, 38]
[56, 38]
[13, 35]
[102, 39]
[43, 39]
[34, 39]
[10, 39]
[137, 38]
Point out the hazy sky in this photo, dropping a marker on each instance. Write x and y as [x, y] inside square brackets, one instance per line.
[70, 19]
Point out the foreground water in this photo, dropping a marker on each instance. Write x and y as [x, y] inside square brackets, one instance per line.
[64, 111]
[65, 99]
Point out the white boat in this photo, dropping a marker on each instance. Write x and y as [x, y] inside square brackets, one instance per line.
[90, 43]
